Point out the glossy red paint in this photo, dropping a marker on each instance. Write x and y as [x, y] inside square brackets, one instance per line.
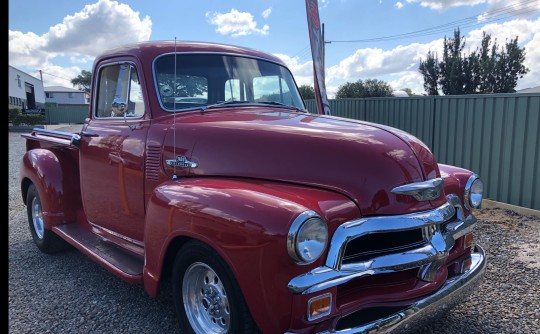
[257, 169]
[358, 159]
[246, 221]
[50, 169]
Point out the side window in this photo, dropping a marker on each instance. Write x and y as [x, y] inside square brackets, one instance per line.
[271, 88]
[135, 101]
[119, 92]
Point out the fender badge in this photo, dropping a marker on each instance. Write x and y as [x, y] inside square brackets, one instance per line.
[181, 161]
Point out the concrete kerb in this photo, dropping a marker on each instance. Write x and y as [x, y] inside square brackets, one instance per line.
[490, 204]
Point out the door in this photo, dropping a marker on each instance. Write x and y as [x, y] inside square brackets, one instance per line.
[113, 151]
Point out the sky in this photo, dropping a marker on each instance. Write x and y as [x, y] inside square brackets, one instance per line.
[365, 39]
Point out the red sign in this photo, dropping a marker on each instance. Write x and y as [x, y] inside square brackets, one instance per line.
[315, 38]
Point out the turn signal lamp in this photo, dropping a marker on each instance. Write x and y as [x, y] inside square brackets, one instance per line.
[469, 241]
[319, 306]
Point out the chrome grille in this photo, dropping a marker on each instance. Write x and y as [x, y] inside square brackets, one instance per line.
[368, 246]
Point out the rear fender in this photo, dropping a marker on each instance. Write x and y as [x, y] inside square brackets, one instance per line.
[56, 177]
[247, 223]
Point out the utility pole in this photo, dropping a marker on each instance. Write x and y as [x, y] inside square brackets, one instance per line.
[323, 49]
[324, 42]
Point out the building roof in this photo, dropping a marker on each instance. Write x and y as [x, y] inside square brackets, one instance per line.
[60, 89]
[530, 90]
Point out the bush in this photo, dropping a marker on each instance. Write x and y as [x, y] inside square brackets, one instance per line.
[13, 113]
[16, 118]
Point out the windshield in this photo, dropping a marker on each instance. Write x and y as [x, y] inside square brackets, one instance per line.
[208, 79]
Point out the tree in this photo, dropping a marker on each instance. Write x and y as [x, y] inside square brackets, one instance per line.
[307, 92]
[83, 81]
[408, 91]
[487, 69]
[430, 70]
[360, 89]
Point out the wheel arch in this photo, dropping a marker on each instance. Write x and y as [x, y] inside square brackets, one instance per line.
[246, 222]
[56, 178]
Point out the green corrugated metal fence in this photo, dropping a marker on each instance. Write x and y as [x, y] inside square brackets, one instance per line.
[496, 136]
[70, 114]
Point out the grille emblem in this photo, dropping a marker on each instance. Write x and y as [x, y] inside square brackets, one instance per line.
[421, 191]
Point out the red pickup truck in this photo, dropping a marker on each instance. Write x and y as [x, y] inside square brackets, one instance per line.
[199, 162]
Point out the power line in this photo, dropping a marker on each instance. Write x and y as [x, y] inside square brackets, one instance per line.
[56, 76]
[494, 16]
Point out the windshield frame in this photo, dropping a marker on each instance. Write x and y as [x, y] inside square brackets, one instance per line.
[293, 87]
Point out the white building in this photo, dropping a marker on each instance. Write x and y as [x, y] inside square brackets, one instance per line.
[65, 95]
[25, 91]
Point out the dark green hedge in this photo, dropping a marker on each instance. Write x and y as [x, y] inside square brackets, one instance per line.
[17, 118]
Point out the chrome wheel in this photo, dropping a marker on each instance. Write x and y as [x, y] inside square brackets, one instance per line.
[205, 300]
[37, 217]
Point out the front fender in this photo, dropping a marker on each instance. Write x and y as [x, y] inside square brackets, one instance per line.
[247, 223]
[455, 179]
[56, 178]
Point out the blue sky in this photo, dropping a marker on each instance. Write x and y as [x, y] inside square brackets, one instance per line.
[62, 37]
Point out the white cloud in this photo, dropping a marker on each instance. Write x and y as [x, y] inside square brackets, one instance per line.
[236, 23]
[398, 5]
[110, 23]
[510, 7]
[445, 4]
[266, 13]
[399, 66]
[302, 72]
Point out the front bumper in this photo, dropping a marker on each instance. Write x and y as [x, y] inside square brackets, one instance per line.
[452, 292]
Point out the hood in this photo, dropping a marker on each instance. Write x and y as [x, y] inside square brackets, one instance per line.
[361, 160]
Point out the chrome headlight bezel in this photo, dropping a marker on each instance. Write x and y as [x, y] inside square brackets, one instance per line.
[472, 195]
[306, 223]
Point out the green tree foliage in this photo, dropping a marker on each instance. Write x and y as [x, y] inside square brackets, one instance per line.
[488, 69]
[408, 91]
[367, 88]
[83, 81]
[307, 92]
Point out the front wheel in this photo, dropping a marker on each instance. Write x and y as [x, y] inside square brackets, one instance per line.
[206, 295]
[47, 241]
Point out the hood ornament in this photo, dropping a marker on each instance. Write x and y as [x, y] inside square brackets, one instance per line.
[421, 191]
[181, 161]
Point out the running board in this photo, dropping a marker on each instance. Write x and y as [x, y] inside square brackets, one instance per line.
[121, 262]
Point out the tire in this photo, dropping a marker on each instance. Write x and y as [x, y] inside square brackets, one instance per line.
[46, 240]
[206, 295]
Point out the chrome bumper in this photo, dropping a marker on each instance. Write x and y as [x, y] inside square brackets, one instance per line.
[452, 292]
[429, 257]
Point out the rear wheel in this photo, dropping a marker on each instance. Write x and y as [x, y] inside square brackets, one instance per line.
[46, 240]
[207, 297]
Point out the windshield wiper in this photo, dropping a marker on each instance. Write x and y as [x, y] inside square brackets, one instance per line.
[235, 102]
[283, 105]
[223, 103]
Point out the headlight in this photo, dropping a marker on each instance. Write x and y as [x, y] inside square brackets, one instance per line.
[474, 192]
[307, 238]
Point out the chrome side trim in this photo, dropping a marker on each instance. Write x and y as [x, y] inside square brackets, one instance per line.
[451, 293]
[432, 254]
[421, 191]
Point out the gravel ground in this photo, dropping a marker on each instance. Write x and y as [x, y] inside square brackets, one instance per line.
[68, 293]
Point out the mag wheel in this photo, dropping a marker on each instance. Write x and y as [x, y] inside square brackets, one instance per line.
[206, 295]
[45, 240]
